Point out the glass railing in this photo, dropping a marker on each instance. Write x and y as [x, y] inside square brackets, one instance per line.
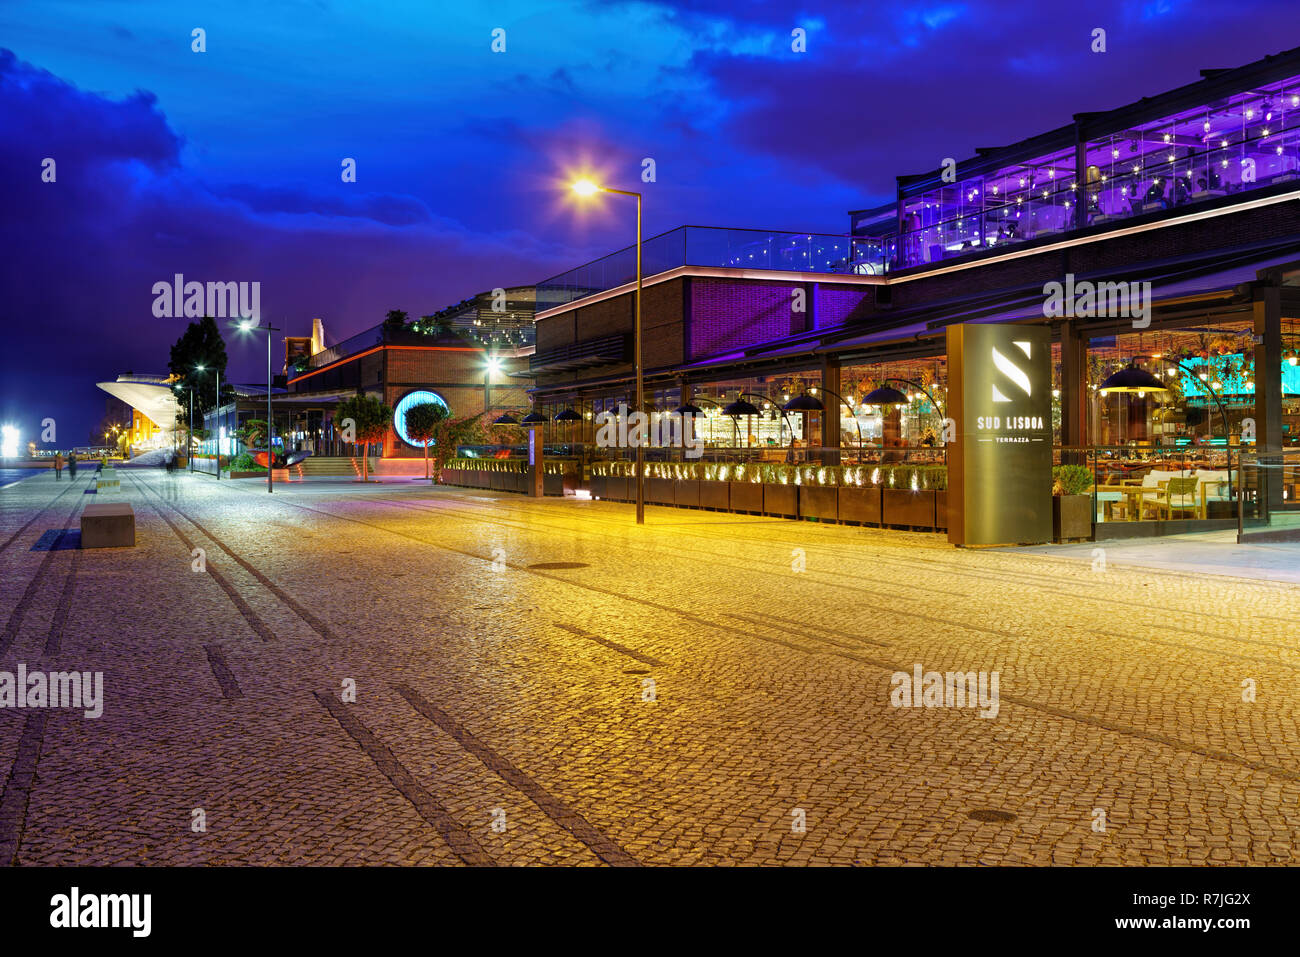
[1154, 483]
[720, 248]
[1154, 188]
[1266, 491]
[980, 230]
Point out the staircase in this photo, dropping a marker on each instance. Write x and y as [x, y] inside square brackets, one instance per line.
[332, 466]
[339, 466]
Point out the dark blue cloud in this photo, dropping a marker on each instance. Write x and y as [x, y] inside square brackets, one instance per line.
[228, 167]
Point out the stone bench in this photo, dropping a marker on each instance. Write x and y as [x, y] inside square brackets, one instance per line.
[108, 526]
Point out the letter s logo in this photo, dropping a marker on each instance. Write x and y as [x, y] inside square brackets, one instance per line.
[1011, 371]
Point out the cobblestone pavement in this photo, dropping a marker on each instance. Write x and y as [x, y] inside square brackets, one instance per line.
[668, 694]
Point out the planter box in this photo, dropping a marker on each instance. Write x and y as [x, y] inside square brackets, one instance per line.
[781, 500]
[859, 504]
[687, 493]
[659, 491]
[745, 497]
[620, 488]
[242, 475]
[513, 481]
[497, 480]
[819, 502]
[714, 495]
[599, 485]
[553, 484]
[1223, 509]
[1071, 517]
[905, 507]
[941, 510]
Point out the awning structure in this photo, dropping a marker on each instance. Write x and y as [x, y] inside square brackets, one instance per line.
[581, 355]
[148, 395]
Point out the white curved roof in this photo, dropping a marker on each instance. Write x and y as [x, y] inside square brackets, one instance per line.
[147, 394]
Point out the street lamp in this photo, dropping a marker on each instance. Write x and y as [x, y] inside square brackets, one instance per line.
[189, 435]
[251, 325]
[585, 187]
[217, 372]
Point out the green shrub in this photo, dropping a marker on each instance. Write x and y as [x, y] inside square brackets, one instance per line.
[1071, 480]
[243, 462]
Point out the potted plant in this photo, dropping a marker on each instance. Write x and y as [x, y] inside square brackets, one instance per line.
[744, 487]
[686, 484]
[817, 493]
[714, 486]
[907, 499]
[780, 493]
[1071, 502]
[858, 497]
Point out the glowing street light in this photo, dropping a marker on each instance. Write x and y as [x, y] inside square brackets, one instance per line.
[8, 441]
[585, 187]
[249, 325]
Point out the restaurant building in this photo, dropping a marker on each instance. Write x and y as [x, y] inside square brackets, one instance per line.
[1158, 243]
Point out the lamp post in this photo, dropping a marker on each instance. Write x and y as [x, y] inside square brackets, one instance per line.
[189, 432]
[249, 325]
[218, 456]
[585, 187]
[197, 368]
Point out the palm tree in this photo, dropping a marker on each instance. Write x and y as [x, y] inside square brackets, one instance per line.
[422, 423]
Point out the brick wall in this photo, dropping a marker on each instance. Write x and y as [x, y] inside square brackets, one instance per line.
[730, 313]
[662, 324]
[836, 305]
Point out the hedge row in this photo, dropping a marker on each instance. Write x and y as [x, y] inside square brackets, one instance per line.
[919, 477]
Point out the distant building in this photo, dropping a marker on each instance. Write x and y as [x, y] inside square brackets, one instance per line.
[472, 357]
[150, 405]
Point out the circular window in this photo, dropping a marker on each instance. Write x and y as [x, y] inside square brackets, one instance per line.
[408, 400]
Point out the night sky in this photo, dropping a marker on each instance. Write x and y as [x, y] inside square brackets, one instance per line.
[225, 165]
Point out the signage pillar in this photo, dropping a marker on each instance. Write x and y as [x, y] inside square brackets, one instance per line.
[1000, 466]
[535, 485]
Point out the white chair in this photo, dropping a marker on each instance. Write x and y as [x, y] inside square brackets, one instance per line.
[1218, 484]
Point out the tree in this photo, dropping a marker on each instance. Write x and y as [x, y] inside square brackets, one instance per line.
[395, 321]
[471, 430]
[422, 423]
[199, 345]
[252, 433]
[364, 419]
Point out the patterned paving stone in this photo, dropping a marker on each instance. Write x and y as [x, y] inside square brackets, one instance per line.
[687, 698]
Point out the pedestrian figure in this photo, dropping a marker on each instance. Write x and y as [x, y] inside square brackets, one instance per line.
[58, 466]
[72, 466]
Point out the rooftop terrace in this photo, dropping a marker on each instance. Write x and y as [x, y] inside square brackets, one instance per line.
[1215, 142]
